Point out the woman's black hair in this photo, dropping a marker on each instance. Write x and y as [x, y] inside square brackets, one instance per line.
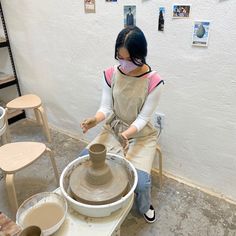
[133, 39]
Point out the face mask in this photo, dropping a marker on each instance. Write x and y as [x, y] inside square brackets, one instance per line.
[127, 66]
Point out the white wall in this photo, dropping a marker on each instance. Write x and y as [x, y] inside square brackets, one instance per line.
[60, 53]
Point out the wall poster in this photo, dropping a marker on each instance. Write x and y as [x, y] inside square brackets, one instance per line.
[161, 20]
[129, 16]
[201, 33]
[89, 6]
[181, 11]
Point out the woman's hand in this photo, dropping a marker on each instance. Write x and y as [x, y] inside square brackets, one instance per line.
[88, 124]
[124, 142]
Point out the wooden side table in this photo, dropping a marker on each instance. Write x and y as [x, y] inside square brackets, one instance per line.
[77, 224]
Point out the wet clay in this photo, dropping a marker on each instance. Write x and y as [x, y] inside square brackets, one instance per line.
[98, 181]
[44, 216]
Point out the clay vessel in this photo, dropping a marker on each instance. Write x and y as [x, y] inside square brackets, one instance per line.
[99, 172]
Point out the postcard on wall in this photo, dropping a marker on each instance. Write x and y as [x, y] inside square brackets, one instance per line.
[161, 20]
[129, 16]
[201, 33]
[89, 6]
[181, 11]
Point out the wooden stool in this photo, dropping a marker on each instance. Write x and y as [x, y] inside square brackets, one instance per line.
[16, 156]
[159, 171]
[31, 101]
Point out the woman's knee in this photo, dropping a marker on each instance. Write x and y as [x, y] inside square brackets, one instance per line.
[144, 181]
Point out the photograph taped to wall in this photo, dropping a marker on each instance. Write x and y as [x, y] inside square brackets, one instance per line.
[201, 33]
[161, 20]
[89, 6]
[129, 16]
[181, 11]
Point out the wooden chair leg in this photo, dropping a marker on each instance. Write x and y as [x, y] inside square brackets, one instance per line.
[44, 122]
[160, 165]
[11, 191]
[53, 165]
[37, 116]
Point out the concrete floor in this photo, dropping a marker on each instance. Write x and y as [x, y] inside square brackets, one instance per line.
[181, 210]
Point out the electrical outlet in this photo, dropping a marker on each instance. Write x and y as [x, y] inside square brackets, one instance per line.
[159, 120]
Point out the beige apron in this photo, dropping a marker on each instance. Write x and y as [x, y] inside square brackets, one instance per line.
[129, 94]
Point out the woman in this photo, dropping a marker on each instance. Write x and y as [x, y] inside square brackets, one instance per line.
[130, 96]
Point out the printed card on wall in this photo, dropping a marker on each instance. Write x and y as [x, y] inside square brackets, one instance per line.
[161, 20]
[89, 6]
[129, 16]
[201, 33]
[181, 11]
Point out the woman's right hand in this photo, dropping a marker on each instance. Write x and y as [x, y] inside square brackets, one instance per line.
[88, 124]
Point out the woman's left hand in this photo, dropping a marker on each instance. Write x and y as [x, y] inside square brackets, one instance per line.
[124, 142]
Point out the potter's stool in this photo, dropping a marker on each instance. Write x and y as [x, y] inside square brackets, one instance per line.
[156, 170]
[16, 156]
[77, 224]
[31, 101]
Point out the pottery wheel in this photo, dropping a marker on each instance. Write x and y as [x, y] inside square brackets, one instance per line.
[101, 185]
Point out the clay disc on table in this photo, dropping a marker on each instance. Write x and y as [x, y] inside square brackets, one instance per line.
[114, 189]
